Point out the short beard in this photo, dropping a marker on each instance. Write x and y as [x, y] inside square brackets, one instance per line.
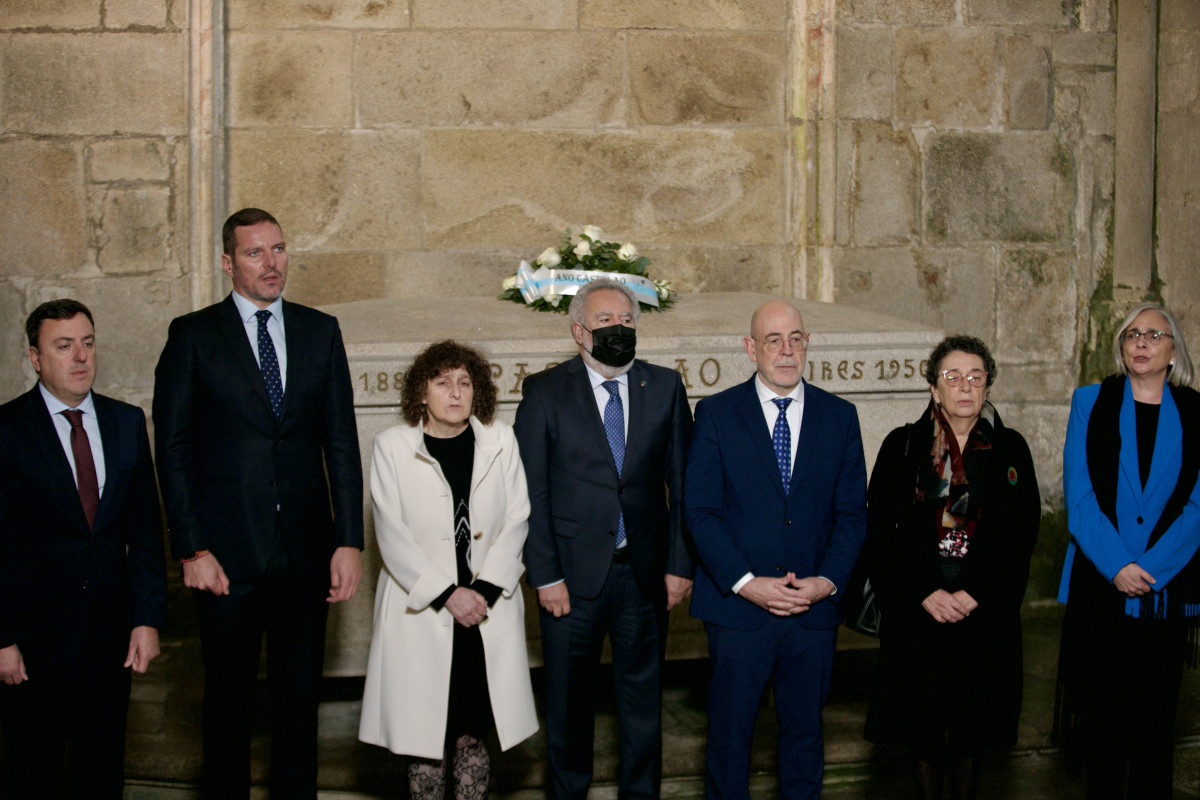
[605, 370]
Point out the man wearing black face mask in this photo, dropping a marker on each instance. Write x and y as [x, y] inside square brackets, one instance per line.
[604, 441]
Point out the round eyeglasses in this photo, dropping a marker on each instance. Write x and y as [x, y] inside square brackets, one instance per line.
[953, 377]
[774, 343]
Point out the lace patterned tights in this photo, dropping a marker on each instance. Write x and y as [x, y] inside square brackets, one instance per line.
[471, 765]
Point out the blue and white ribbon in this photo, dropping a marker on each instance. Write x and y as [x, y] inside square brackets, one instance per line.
[544, 283]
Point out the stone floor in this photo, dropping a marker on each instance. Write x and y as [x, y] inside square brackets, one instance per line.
[164, 758]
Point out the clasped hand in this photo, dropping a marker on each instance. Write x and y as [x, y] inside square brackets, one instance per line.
[1133, 581]
[786, 596]
[468, 606]
[946, 607]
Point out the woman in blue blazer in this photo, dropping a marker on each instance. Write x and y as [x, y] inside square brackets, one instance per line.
[1131, 580]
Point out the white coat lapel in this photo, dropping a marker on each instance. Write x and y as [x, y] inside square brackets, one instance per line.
[487, 450]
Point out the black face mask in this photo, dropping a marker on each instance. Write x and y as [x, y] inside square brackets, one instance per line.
[614, 345]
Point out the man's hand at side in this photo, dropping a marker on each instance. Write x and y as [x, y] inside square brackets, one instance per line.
[143, 648]
[12, 665]
[678, 590]
[345, 571]
[555, 599]
[205, 573]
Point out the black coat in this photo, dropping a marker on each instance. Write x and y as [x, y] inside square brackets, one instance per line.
[964, 678]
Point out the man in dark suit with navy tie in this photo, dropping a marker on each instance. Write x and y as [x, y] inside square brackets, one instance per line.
[82, 572]
[776, 503]
[259, 465]
[604, 439]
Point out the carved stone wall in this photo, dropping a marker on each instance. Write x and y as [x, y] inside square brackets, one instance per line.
[973, 148]
[93, 177]
[952, 163]
[425, 148]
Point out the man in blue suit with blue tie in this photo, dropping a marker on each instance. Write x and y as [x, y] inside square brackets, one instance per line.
[775, 499]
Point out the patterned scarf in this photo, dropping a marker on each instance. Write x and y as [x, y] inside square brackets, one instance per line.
[958, 517]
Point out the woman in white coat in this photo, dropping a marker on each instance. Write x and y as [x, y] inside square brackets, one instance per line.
[448, 660]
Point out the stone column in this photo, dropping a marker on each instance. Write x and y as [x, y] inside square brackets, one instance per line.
[207, 195]
[812, 128]
[1133, 232]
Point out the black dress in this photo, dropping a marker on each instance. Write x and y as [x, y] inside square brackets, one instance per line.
[949, 682]
[470, 709]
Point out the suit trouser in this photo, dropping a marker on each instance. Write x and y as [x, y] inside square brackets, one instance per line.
[64, 728]
[797, 663]
[571, 648]
[290, 609]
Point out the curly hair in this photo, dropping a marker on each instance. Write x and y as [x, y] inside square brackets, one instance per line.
[433, 361]
[966, 344]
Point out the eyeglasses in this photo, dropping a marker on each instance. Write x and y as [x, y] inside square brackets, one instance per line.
[953, 378]
[773, 344]
[1134, 335]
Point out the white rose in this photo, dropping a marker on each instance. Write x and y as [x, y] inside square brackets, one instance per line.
[549, 258]
[583, 248]
[553, 300]
[509, 283]
[664, 289]
[627, 252]
[592, 232]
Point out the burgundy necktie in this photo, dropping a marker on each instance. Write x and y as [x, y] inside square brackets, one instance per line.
[85, 466]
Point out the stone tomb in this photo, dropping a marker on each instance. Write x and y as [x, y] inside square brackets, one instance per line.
[871, 359]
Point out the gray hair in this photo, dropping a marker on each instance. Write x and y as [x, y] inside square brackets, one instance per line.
[579, 301]
[1182, 372]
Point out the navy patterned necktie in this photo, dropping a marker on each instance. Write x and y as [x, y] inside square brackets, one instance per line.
[614, 428]
[781, 437]
[269, 363]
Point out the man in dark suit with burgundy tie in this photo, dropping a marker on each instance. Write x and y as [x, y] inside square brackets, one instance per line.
[604, 440]
[82, 573]
[259, 465]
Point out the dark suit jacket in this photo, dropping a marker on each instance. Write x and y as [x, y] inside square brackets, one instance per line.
[225, 463]
[59, 580]
[574, 490]
[743, 519]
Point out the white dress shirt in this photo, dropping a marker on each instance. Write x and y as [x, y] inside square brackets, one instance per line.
[795, 409]
[602, 394]
[248, 311]
[62, 426]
